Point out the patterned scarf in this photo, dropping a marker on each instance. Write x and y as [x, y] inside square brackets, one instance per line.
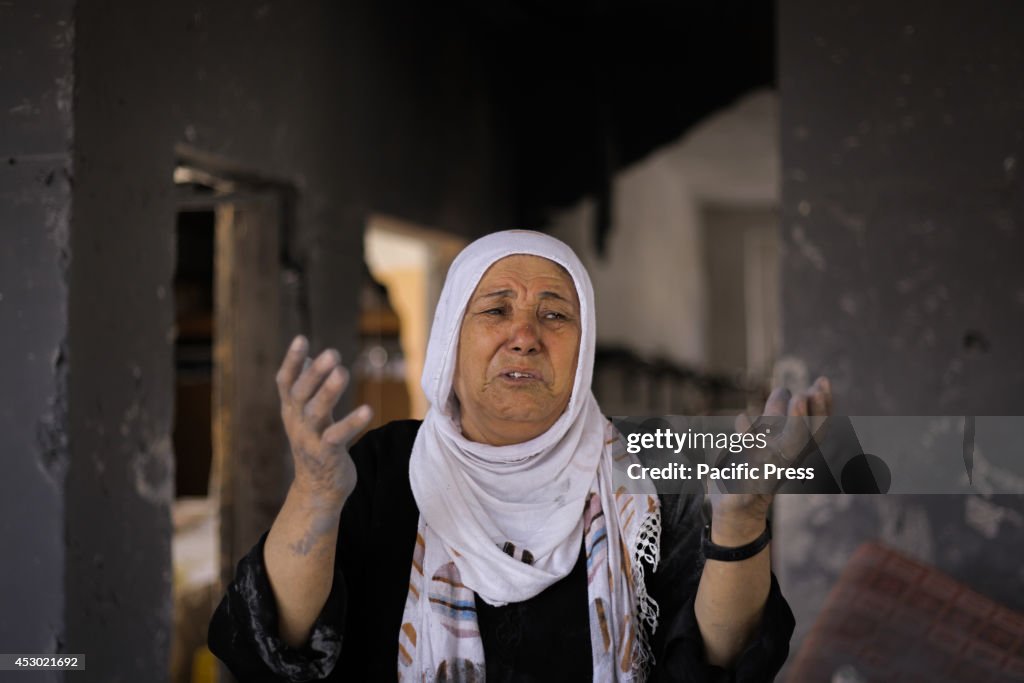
[440, 638]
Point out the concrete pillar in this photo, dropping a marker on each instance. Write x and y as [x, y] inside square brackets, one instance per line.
[36, 43]
[903, 223]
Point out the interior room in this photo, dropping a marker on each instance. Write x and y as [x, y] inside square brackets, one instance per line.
[761, 192]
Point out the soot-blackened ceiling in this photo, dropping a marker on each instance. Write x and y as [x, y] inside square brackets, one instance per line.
[588, 86]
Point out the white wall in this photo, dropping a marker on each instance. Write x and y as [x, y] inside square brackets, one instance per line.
[650, 286]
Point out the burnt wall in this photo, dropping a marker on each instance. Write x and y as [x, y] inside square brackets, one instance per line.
[359, 109]
[902, 136]
[35, 208]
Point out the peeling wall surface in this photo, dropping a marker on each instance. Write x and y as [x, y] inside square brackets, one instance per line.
[35, 204]
[358, 111]
[903, 223]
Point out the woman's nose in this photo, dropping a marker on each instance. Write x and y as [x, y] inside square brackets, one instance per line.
[524, 337]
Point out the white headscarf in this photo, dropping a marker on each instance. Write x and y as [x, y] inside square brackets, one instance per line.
[476, 496]
[481, 506]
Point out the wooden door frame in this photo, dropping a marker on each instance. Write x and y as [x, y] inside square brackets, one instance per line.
[259, 295]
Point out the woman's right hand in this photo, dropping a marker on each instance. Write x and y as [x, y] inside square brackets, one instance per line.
[324, 472]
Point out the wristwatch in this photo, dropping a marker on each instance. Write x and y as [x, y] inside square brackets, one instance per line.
[723, 554]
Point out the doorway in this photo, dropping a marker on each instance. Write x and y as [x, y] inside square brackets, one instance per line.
[410, 262]
[236, 291]
[741, 250]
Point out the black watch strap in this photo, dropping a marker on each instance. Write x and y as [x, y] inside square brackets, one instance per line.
[743, 552]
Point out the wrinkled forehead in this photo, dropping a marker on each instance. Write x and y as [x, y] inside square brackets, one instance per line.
[526, 270]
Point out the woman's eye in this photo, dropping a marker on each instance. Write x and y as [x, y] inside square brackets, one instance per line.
[555, 315]
[494, 311]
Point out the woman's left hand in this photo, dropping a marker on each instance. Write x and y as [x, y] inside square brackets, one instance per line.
[740, 517]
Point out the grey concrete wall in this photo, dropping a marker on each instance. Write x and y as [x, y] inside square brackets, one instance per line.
[35, 206]
[360, 109]
[903, 222]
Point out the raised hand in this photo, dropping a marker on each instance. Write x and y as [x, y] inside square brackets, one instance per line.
[740, 517]
[731, 596]
[309, 391]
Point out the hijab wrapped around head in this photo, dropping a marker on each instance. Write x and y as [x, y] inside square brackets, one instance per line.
[506, 522]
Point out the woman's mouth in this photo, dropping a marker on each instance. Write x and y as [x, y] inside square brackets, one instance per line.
[520, 376]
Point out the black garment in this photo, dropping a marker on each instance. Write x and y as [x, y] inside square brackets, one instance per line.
[545, 638]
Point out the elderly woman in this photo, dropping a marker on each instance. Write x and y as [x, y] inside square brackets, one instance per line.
[486, 542]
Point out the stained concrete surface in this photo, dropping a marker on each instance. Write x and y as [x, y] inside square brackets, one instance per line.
[903, 223]
[35, 205]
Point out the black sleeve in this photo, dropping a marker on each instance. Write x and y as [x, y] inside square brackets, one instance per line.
[243, 632]
[678, 645]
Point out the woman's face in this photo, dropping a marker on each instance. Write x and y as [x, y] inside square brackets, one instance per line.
[518, 349]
